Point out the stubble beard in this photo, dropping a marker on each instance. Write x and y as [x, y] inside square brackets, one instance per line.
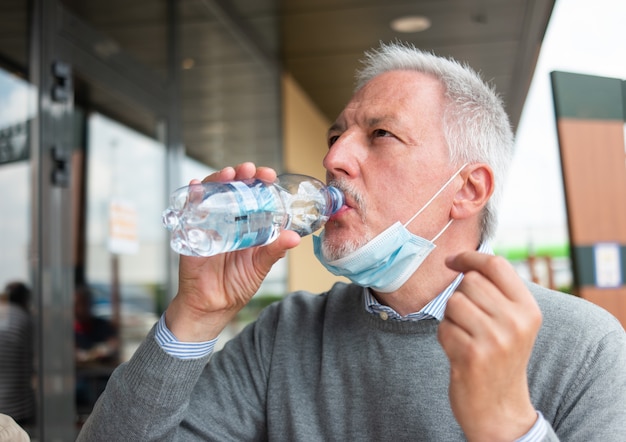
[333, 251]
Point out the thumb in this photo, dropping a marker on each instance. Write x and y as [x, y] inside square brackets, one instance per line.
[276, 250]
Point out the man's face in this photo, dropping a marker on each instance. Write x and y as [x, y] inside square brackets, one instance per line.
[388, 153]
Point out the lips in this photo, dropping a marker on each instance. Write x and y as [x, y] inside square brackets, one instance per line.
[346, 207]
[350, 202]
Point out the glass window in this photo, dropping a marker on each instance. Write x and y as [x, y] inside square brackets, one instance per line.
[125, 240]
[123, 290]
[17, 369]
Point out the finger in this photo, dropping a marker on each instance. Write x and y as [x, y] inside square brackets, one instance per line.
[249, 170]
[511, 307]
[269, 254]
[196, 190]
[465, 313]
[226, 174]
[195, 193]
[266, 174]
[495, 268]
[242, 171]
[483, 293]
[245, 171]
[182, 196]
[475, 323]
[454, 339]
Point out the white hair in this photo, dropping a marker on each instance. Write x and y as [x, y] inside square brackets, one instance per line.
[476, 126]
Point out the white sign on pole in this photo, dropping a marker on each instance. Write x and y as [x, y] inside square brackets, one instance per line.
[123, 239]
[608, 265]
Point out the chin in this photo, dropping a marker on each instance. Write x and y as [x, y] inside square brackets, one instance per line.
[338, 243]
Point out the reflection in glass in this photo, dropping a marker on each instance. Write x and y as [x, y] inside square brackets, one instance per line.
[17, 370]
[125, 241]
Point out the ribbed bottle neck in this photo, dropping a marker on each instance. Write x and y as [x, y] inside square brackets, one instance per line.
[337, 199]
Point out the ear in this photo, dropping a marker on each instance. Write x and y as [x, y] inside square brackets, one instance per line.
[478, 185]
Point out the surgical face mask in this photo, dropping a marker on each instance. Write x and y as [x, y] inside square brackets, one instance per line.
[387, 261]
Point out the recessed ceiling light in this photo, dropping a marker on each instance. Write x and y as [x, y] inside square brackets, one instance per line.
[410, 23]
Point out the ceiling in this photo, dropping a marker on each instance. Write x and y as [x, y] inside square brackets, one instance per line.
[323, 41]
[320, 42]
[229, 98]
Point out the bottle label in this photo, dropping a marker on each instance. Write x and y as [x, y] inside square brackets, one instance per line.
[248, 203]
[246, 197]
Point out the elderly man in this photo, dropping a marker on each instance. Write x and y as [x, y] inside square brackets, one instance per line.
[428, 343]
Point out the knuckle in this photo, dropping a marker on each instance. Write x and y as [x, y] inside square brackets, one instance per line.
[472, 277]
[536, 318]
[455, 302]
[476, 355]
[498, 263]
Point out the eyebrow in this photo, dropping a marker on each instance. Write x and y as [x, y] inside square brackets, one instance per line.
[336, 127]
[373, 121]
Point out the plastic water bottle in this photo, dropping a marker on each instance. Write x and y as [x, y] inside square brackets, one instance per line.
[211, 218]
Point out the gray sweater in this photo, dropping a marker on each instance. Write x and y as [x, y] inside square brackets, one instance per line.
[319, 367]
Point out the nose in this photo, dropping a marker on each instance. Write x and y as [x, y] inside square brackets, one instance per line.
[342, 158]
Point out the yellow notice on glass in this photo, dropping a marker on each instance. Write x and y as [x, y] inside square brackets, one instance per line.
[123, 239]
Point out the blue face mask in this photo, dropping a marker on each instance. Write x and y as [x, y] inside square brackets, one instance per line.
[386, 262]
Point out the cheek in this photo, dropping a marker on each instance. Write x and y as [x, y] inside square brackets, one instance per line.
[391, 202]
[394, 185]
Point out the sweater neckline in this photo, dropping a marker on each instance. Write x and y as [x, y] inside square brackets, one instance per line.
[385, 324]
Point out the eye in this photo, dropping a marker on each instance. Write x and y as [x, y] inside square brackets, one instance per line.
[381, 133]
[332, 139]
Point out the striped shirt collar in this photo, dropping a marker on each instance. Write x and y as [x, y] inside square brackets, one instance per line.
[433, 310]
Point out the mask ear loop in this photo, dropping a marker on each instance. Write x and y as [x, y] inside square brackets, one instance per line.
[442, 230]
[433, 198]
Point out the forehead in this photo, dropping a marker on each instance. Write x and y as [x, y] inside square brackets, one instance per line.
[396, 93]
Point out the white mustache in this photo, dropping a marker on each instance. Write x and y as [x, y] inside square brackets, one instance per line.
[353, 196]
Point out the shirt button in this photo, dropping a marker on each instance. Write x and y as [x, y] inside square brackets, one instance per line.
[383, 315]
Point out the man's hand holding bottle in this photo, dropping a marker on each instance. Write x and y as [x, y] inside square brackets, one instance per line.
[212, 290]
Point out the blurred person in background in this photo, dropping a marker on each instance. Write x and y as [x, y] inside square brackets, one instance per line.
[10, 431]
[97, 348]
[96, 338]
[17, 397]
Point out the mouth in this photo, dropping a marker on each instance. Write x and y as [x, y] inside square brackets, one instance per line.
[349, 205]
[339, 212]
[351, 199]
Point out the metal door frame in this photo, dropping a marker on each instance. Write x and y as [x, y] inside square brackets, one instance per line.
[58, 44]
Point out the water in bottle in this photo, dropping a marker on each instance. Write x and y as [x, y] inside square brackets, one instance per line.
[210, 218]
